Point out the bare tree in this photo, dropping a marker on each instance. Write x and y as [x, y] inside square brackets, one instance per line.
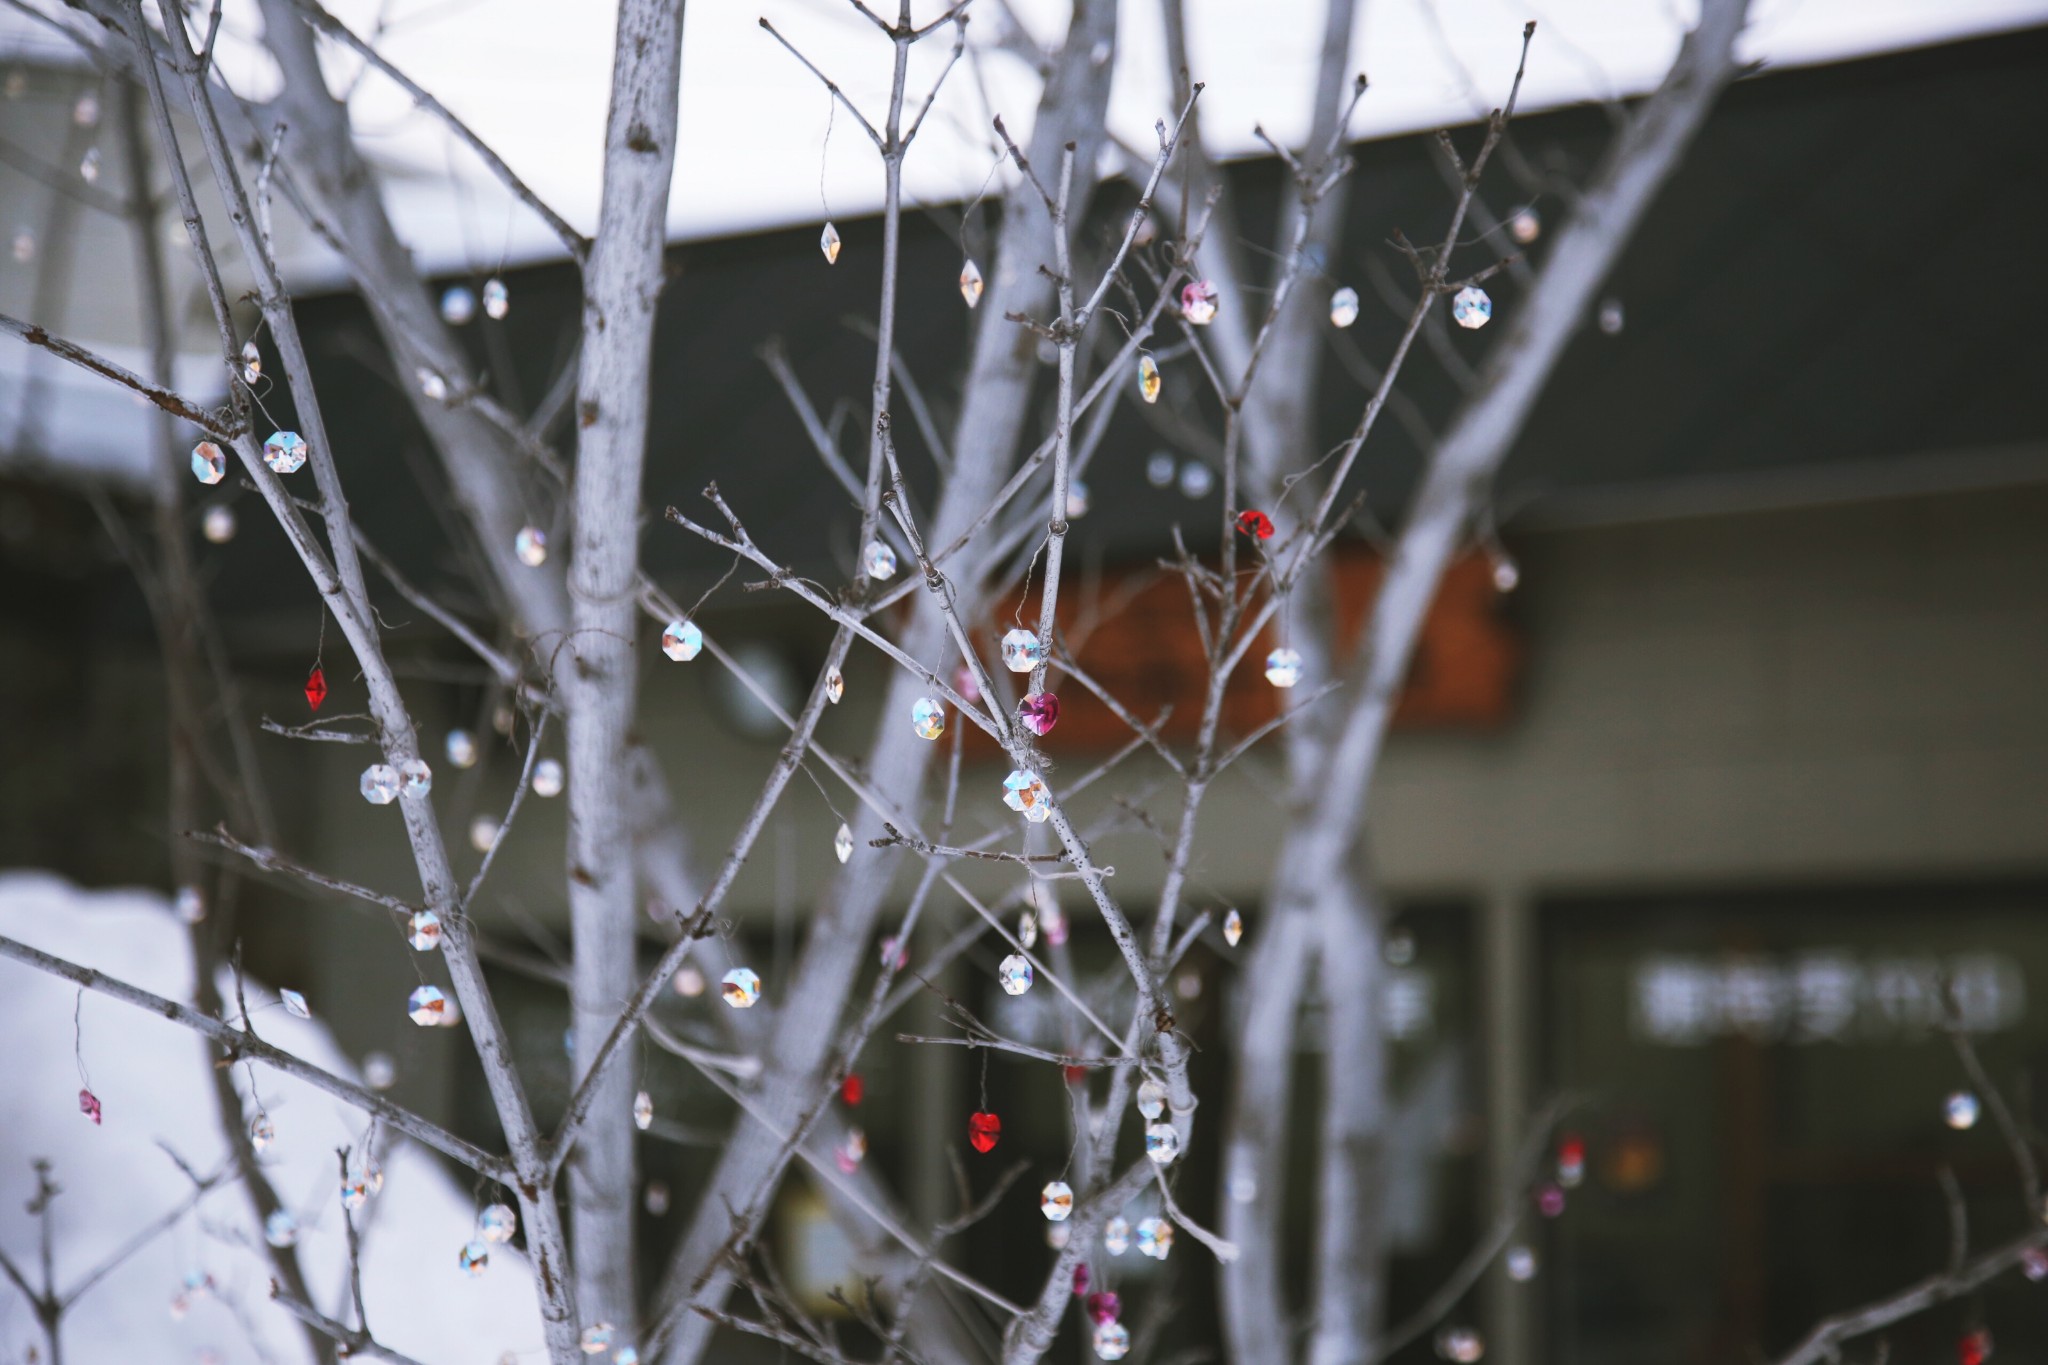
[1102, 294]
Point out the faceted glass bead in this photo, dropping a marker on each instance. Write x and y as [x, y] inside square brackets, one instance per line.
[2034, 1264]
[970, 283]
[1151, 1098]
[878, 561]
[294, 1004]
[1198, 302]
[483, 832]
[1112, 1341]
[1960, 1110]
[380, 784]
[497, 1223]
[531, 545]
[1283, 667]
[1506, 577]
[451, 1012]
[1104, 1305]
[681, 640]
[1550, 1200]
[355, 1190]
[1155, 1238]
[252, 362]
[597, 1338]
[1056, 1201]
[1148, 379]
[983, 1131]
[1612, 319]
[626, 1355]
[1080, 1279]
[1116, 1235]
[689, 982]
[643, 1111]
[1344, 307]
[1571, 1161]
[284, 452]
[218, 525]
[1525, 227]
[852, 1088]
[1039, 712]
[1057, 1235]
[190, 904]
[547, 777]
[209, 463]
[379, 1071]
[474, 1258]
[1014, 974]
[497, 299]
[1974, 1348]
[280, 1229]
[1022, 651]
[1027, 929]
[1196, 479]
[928, 717]
[1077, 500]
[427, 1005]
[89, 1105]
[842, 844]
[89, 166]
[1462, 1345]
[1521, 1263]
[828, 242]
[316, 687]
[1023, 792]
[1233, 928]
[1160, 469]
[1162, 1143]
[417, 776]
[741, 987]
[835, 687]
[86, 113]
[1471, 308]
[458, 305]
[1255, 524]
[851, 1151]
[432, 386]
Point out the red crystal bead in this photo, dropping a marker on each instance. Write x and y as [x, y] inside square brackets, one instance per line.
[316, 687]
[1974, 1348]
[1074, 1074]
[89, 1105]
[851, 1089]
[1104, 1307]
[1257, 525]
[1081, 1278]
[1039, 712]
[982, 1131]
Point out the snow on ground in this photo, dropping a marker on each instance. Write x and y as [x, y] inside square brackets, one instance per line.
[151, 1077]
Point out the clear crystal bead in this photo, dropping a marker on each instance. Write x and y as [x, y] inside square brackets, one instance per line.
[597, 1338]
[284, 452]
[1460, 1345]
[355, 1190]
[86, 112]
[970, 283]
[741, 987]
[878, 561]
[1233, 928]
[1612, 318]
[209, 463]
[218, 526]
[1148, 378]
[483, 832]
[458, 305]
[1014, 974]
[426, 1005]
[1960, 1110]
[1162, 1143]
[1056, 1201]
[835, 687]
[1077, 500]
[681, 640]
[280, 1229]
[497, 300]
[262, 1132]
[474, 1258]
[1022, 651]
[1283, 667]
[928, 717]
[1160, 469]
[842, 843]
[423, 931]
[1525, 227]
[432, 385]
[1470, 307]
[1506, 576]
[547, 778]
[1027, 929]
[626, 1355]
[497, 1223]
[828, 242]
[689, 981]
[643, 1111]
[1112, 1341]
[1116, 1235]
[851, 1151]
[1155, 1238]
[380, 784]
[1151, 1098]
[379, 1071]
[1023, 792]
[1344, 307]
[417, 776]
[656, 1197]
[252, 362]
[1196, 479]
[531, 545]
[1198, 302]
[1521, 1263]
[190, 904]
[294, 1003]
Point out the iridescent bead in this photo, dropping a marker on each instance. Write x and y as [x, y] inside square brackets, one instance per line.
[1160, 469]
[1525, 227]
[1112, 1341]
[1283, 667]
[842, 844]
[643, 1111]
[1014, 974]
[497, 1223]
[851, 1151]
[1039, 712]
[190, 904]
[970, 283]
[1344, 307]
[461, 749]
[681, 640]
[1506, 577]
[1081, 1279]
[1960, 1110]
[1027, 929]
[1550, 1200]
[497, 299]
[432, 386]
[531, 545]
[380, 784]
[1056, 1201]
[828, 242]
[427, 1006]
[1077, 500]
[626, 1355]
[1612, 318]
[2034, 1264]
[252, 362]
[483, 832]
[689, 982]
[86, 113]
[835, 687]
[1196, 479]
[355, 1190]
[547, 778]
[262, 1132]
[928, 717]
[1151, 1098]
[284, 452]
[1155, 1238]
[474, 1258]
[458, 305]
[1116, 1235]
[209, 463]
[1462, 1345]
[379, 1071]
[741, 987]
[1198, 302]
[1233, 928]
[1103, 1305]
[218, 525]
[417, 777]
[280, 1229]
[1022, 651]
[1023, 792]
[878, 561]
[1470, 307]
[89, 166]
[294, 1004]
[1148, 379]
[1162, 1143]
[1520, 1262]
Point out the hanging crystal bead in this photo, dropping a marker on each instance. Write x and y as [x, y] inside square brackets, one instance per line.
[1471, 308]
[1056, 1201]
[209, 463]
[1344, 307]
[284, 452]
[1014, 974]
[741, 987]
